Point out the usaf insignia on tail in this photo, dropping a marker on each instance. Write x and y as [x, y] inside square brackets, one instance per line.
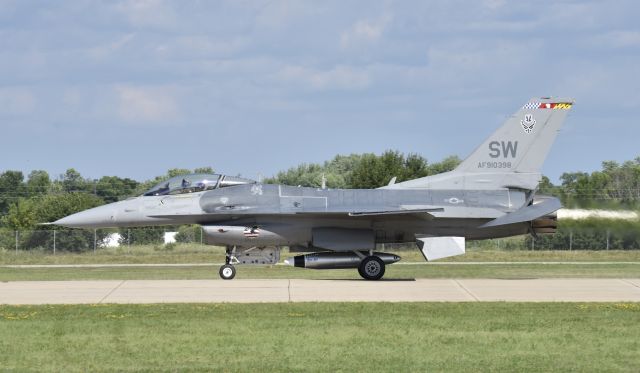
[528, 123]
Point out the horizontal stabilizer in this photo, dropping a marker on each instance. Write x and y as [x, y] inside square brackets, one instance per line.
[527, 213]
[434, 248]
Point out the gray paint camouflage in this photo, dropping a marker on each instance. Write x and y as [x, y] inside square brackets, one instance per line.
[497, 180]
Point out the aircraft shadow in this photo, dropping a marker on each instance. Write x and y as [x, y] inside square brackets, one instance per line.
[363, 280]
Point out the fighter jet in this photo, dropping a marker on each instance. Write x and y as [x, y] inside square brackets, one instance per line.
[491, 194]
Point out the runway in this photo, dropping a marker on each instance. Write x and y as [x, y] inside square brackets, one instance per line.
[282, 291]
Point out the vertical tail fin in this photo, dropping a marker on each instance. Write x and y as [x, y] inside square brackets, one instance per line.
[524, 140]
[511, 157]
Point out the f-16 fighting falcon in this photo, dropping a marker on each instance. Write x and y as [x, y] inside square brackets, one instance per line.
[491, 194]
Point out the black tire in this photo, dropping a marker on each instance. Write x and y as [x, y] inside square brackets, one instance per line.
[227, 272]
[371, 268]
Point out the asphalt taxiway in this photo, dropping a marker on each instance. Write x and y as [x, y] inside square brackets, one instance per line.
[273, 291]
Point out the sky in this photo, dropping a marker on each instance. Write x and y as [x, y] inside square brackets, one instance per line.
[133, 88]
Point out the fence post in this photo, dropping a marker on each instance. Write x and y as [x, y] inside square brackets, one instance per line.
[200, 235]
[17, 237]
[533, 243]
[608, 234]
[95, 240]
[570, 240]
[54, 242]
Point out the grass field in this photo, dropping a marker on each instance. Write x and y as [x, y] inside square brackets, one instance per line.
[459, 337]
[193, 253]
[521, 264]
[396, 271]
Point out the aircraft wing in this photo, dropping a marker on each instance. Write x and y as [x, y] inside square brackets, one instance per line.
[526, 213]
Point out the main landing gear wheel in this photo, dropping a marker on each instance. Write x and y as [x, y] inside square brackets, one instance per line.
[371, 268]
[227, 272]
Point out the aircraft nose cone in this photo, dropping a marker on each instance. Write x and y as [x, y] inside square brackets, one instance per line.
[97, 217]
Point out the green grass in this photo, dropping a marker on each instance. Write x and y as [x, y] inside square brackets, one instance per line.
[334, 337]
[510, 271]
[139, 254]
[625, 264]
[193, 253]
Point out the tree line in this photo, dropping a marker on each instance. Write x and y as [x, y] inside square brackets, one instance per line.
[25, 203]
[615, 185]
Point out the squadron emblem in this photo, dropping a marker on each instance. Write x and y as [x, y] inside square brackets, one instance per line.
[528, 123]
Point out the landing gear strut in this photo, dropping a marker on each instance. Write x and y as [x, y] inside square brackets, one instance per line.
[228, 271]
[371, 268]
[248, 255]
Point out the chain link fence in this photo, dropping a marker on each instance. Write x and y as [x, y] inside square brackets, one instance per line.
[78, 241]
[81, 240]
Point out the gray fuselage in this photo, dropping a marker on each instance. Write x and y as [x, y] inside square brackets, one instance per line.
[292, 213]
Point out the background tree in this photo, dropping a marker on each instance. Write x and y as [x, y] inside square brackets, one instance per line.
[38, 183]
[22, 214]
[362, 170]
[375, 171]
[447, 164]
[11, 188]
[113, 188]
[337, 172]
[178, 171]
[56, 206]
[144, 235]
[204, 170]
[27, 213]
[72, 181]
[614, 186]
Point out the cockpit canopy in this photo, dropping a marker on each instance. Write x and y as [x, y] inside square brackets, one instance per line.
[195, 183]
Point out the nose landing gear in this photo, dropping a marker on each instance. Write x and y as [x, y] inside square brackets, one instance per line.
[254, 255]
[227, 272]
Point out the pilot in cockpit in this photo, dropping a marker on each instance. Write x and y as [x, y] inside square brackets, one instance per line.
[195, 183]
[186, 184]
[200, 186]
[163, 190]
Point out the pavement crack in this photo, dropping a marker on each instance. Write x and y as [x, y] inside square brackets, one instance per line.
[112, 291]
[466, 290]
[630, 283]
